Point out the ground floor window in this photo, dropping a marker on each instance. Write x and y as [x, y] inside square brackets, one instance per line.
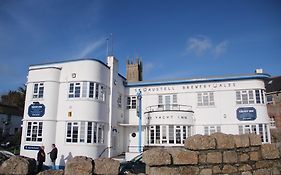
[85, 132]
[260, 129]
[168, 134]
[208, 130]
[34, 131]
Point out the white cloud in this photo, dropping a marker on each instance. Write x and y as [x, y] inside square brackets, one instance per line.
[220, 48]
[199, 45]
[91, 47]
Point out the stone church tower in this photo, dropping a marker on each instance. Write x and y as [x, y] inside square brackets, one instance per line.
[134, 71]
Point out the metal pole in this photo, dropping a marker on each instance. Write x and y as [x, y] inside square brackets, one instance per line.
[139, 96]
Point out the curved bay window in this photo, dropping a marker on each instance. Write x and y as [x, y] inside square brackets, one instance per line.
[168, 134]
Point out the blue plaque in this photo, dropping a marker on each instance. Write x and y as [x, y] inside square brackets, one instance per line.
[36, 110]
[30, 147]
[246, 114]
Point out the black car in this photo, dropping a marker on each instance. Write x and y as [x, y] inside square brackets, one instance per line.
[134, 166]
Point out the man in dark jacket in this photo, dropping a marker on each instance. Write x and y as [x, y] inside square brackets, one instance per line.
[41, 157]
[53, 155]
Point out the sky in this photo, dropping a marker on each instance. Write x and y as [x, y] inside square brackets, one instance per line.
[173, 38]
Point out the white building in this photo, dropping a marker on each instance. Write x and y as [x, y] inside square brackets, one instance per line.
[86, 108]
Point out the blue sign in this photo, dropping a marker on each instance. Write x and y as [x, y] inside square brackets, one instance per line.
[36, 110]
[246, 114]
[29, 147]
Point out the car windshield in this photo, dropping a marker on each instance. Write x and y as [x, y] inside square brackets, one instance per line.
[137, 158]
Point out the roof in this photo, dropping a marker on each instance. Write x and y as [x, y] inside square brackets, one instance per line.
[261, 76]
[273, 84]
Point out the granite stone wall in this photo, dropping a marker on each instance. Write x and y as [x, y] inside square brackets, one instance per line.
[216, 154]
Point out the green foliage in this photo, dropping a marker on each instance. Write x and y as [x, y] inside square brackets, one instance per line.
[15, 98]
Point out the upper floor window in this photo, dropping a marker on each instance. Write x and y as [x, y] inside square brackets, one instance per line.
[250, 96]
[167, 101]
[131, 102]
[205, 99]
[38, 90]
[34, 131]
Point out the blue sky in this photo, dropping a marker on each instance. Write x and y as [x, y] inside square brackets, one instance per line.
[175, 39]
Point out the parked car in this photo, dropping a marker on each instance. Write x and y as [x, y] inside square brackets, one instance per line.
[135, 166]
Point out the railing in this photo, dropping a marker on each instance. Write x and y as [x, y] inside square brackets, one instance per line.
[104, 151]
[168, 107]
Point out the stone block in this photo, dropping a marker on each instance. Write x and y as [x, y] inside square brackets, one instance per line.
[79, 165]
[224, 141]
[255, 140]
[202, 158]
[51, 172]
[18, 165]
[247, 173]
[216, 169]
[228, 169]
[206, 171]
[241, 141]
[269, 151]
[162, 170]
[157, 156]
[264, 164]
[255, 156]
[190, 170]
[183, 156]
[106, 166]
[244, 157]
[230, 157]
[245, 167]
[214, 157]
[262, 172]
[200, 142]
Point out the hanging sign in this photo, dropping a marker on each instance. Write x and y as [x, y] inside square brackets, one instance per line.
[246, 114]
[36, 109]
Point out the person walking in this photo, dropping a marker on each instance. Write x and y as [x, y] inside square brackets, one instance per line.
[41, 157]
[53, 156]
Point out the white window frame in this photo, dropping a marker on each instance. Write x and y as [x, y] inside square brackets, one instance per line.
[131, 102]
[208, 130]
[205, 98]
[38, 90]
[261, 129]
[34, 131]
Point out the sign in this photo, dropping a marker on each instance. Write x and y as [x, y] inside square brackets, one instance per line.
[36, 110]
[246, 114]
[29, 147]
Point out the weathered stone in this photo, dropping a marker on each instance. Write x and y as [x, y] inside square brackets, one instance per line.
[214, 157]
[262, 172]
[229, 169]
[241, 141]
[189, 170]
[244, 158]
[275, 135]
[18, 165]
[255, 140]
[51, 172]
[246, 173]
[3, 157]
[200, 142]
[245, 167]
[264, 164]
[255, 156]
[183, 156]
[224, 141]
[106, 166]
[275, 171]
[216, 169]
[202, 158]
[230, 157]
[269, 151]
[79, 165]
[162, 170]
[156, 156]
[206, 172]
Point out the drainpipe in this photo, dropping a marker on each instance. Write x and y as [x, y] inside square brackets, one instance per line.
[139, 96]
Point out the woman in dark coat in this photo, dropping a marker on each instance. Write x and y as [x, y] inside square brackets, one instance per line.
[41, 157]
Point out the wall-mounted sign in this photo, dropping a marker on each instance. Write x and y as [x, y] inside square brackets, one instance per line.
[246, 114]
[36, 110]
[30, 147]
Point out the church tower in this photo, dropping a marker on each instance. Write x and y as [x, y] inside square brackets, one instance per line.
[134, 71]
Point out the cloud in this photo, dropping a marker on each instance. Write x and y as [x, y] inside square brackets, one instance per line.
[220, 48]
[201, 45]
[91, 47]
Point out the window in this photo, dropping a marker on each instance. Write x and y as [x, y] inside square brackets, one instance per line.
[260, 129]
[250, 96]
[74, 90]
[272, 122]
[119, 101]
[208, 130]
[131, 102]
[167, 101]
[38, 90]
[34, 131]
[269, 99]
[84, 132]
[205, 99]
